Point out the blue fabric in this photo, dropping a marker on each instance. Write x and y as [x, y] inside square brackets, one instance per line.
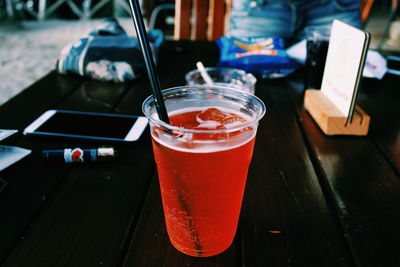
[264, 57]
[288, 18]
[107, 53]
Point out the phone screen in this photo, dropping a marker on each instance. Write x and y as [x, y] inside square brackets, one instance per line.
[88, 125]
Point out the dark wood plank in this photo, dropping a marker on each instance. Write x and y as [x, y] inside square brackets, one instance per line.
[30, 182]
[86, 222]
[381, 101]
[94, 204]
[151, 246]
[95, 96]
[45, 94]
[363, 185]
[286, 220]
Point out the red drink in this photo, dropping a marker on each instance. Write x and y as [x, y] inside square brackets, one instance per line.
[202, 157]
[202, 178]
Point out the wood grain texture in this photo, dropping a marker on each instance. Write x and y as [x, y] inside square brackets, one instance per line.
[362, 185]
[217, 18]
[200, 20]
[284, 208]
[82, 217]
[151, 246]
[330, 119]
[182, 27]
[33, 101]
[310, 199]
[30, 182]
[381, 99]
[366, 192]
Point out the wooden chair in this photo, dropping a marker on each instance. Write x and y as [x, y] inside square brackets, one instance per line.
[390, 19]
[200, 19]
[209, 19]
[365, 10]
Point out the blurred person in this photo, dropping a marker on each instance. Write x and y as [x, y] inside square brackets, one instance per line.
[288, 18]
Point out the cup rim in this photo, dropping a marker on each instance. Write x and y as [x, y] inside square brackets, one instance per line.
[249, 78]
[150, 100]
[323, 32]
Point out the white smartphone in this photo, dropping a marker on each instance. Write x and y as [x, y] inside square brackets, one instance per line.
[88, 125]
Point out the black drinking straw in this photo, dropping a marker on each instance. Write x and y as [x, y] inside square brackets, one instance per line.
[148, 59]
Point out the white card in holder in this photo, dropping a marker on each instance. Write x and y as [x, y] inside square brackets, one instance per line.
[345, 61]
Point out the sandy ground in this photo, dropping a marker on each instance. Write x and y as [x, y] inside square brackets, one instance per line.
[29, 50]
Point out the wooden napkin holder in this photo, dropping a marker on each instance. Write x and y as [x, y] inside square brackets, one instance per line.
[330, 119]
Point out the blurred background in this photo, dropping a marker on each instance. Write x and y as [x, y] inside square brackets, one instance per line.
[33, 32]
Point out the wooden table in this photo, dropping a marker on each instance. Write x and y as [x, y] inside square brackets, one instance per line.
[310, 200]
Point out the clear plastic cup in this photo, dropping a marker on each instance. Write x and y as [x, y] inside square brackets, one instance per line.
[221, 76]
[202, 167]
[317, 50]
